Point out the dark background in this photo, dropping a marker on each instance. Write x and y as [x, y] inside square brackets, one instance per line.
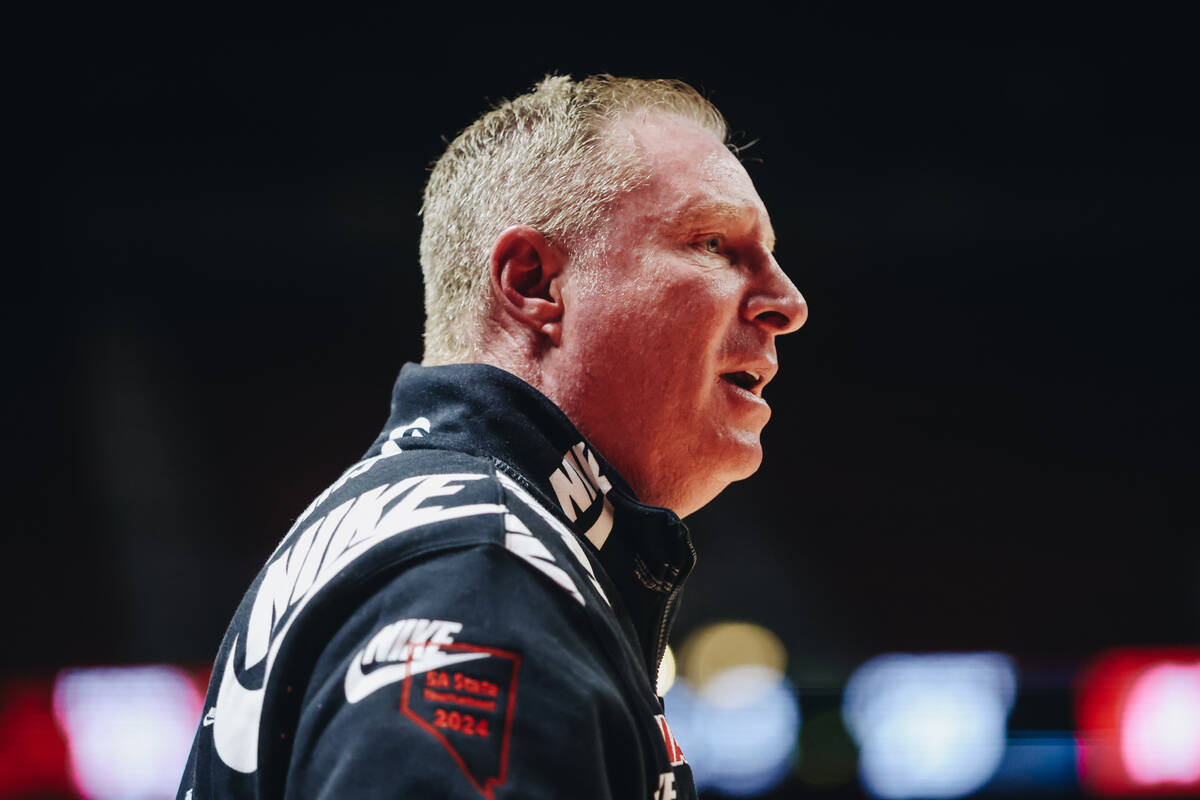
[984, 436]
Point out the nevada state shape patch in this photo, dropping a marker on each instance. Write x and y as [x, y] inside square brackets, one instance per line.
[468, 707]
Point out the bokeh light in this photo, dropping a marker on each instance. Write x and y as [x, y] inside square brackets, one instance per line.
[1138, 722]
[929, 725]
[732, 710]
[1160, 727]
[666, 672]
[715, 648]
[128, 729]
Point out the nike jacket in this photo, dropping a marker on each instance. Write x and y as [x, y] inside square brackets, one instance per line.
[477, 607]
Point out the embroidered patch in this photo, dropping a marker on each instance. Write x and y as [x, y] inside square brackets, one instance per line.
[469, 708]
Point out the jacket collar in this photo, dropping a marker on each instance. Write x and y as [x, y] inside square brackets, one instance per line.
[484, 411]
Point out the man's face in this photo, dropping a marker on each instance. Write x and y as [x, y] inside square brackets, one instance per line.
[669, 338]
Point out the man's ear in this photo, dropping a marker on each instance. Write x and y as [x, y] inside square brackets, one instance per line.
[526, 272]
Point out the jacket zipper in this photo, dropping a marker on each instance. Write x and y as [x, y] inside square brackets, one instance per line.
[661, 645]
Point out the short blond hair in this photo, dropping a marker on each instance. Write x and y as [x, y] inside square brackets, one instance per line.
[543, 159]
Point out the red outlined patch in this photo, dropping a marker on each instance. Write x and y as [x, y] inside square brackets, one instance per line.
[469, 709]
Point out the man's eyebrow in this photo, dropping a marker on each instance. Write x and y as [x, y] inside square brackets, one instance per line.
[691, 213]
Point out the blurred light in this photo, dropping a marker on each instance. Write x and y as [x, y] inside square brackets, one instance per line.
[733, 713]
[715, 648]
[738, 733]
[666, 672]
[129, 729]
[1138, 720]
[929, 725]
[1160, 729]
[33, 754]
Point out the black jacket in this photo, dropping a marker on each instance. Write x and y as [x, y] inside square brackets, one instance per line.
[479, 606]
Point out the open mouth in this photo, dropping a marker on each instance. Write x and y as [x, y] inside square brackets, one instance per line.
[744, 379]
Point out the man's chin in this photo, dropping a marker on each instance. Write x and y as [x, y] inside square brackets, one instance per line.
[745, 457]
[732, 468]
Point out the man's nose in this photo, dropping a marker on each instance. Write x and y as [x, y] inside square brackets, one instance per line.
[776, 304]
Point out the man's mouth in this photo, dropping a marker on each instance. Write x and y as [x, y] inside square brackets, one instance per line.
[745, 379]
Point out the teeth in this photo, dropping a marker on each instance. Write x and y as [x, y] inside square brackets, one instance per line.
[754, 375]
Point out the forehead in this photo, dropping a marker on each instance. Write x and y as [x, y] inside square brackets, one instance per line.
[693, 178]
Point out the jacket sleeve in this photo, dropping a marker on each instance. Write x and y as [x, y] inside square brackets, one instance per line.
[467, 674]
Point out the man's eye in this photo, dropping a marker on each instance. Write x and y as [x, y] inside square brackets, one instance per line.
[712, 244]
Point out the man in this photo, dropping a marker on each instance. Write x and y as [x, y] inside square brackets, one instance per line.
[480, 605]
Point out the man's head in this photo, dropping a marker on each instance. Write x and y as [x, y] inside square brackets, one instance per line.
[644, 301]
[544, 159]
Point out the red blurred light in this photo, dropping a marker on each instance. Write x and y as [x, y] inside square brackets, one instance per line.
[1137, 733]
[33, 752]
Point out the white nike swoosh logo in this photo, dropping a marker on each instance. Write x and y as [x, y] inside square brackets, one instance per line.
[235, 734]
[359, 685]
[210, 717]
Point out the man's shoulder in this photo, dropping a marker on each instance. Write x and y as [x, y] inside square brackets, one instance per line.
[405, 492]
[399, 511]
